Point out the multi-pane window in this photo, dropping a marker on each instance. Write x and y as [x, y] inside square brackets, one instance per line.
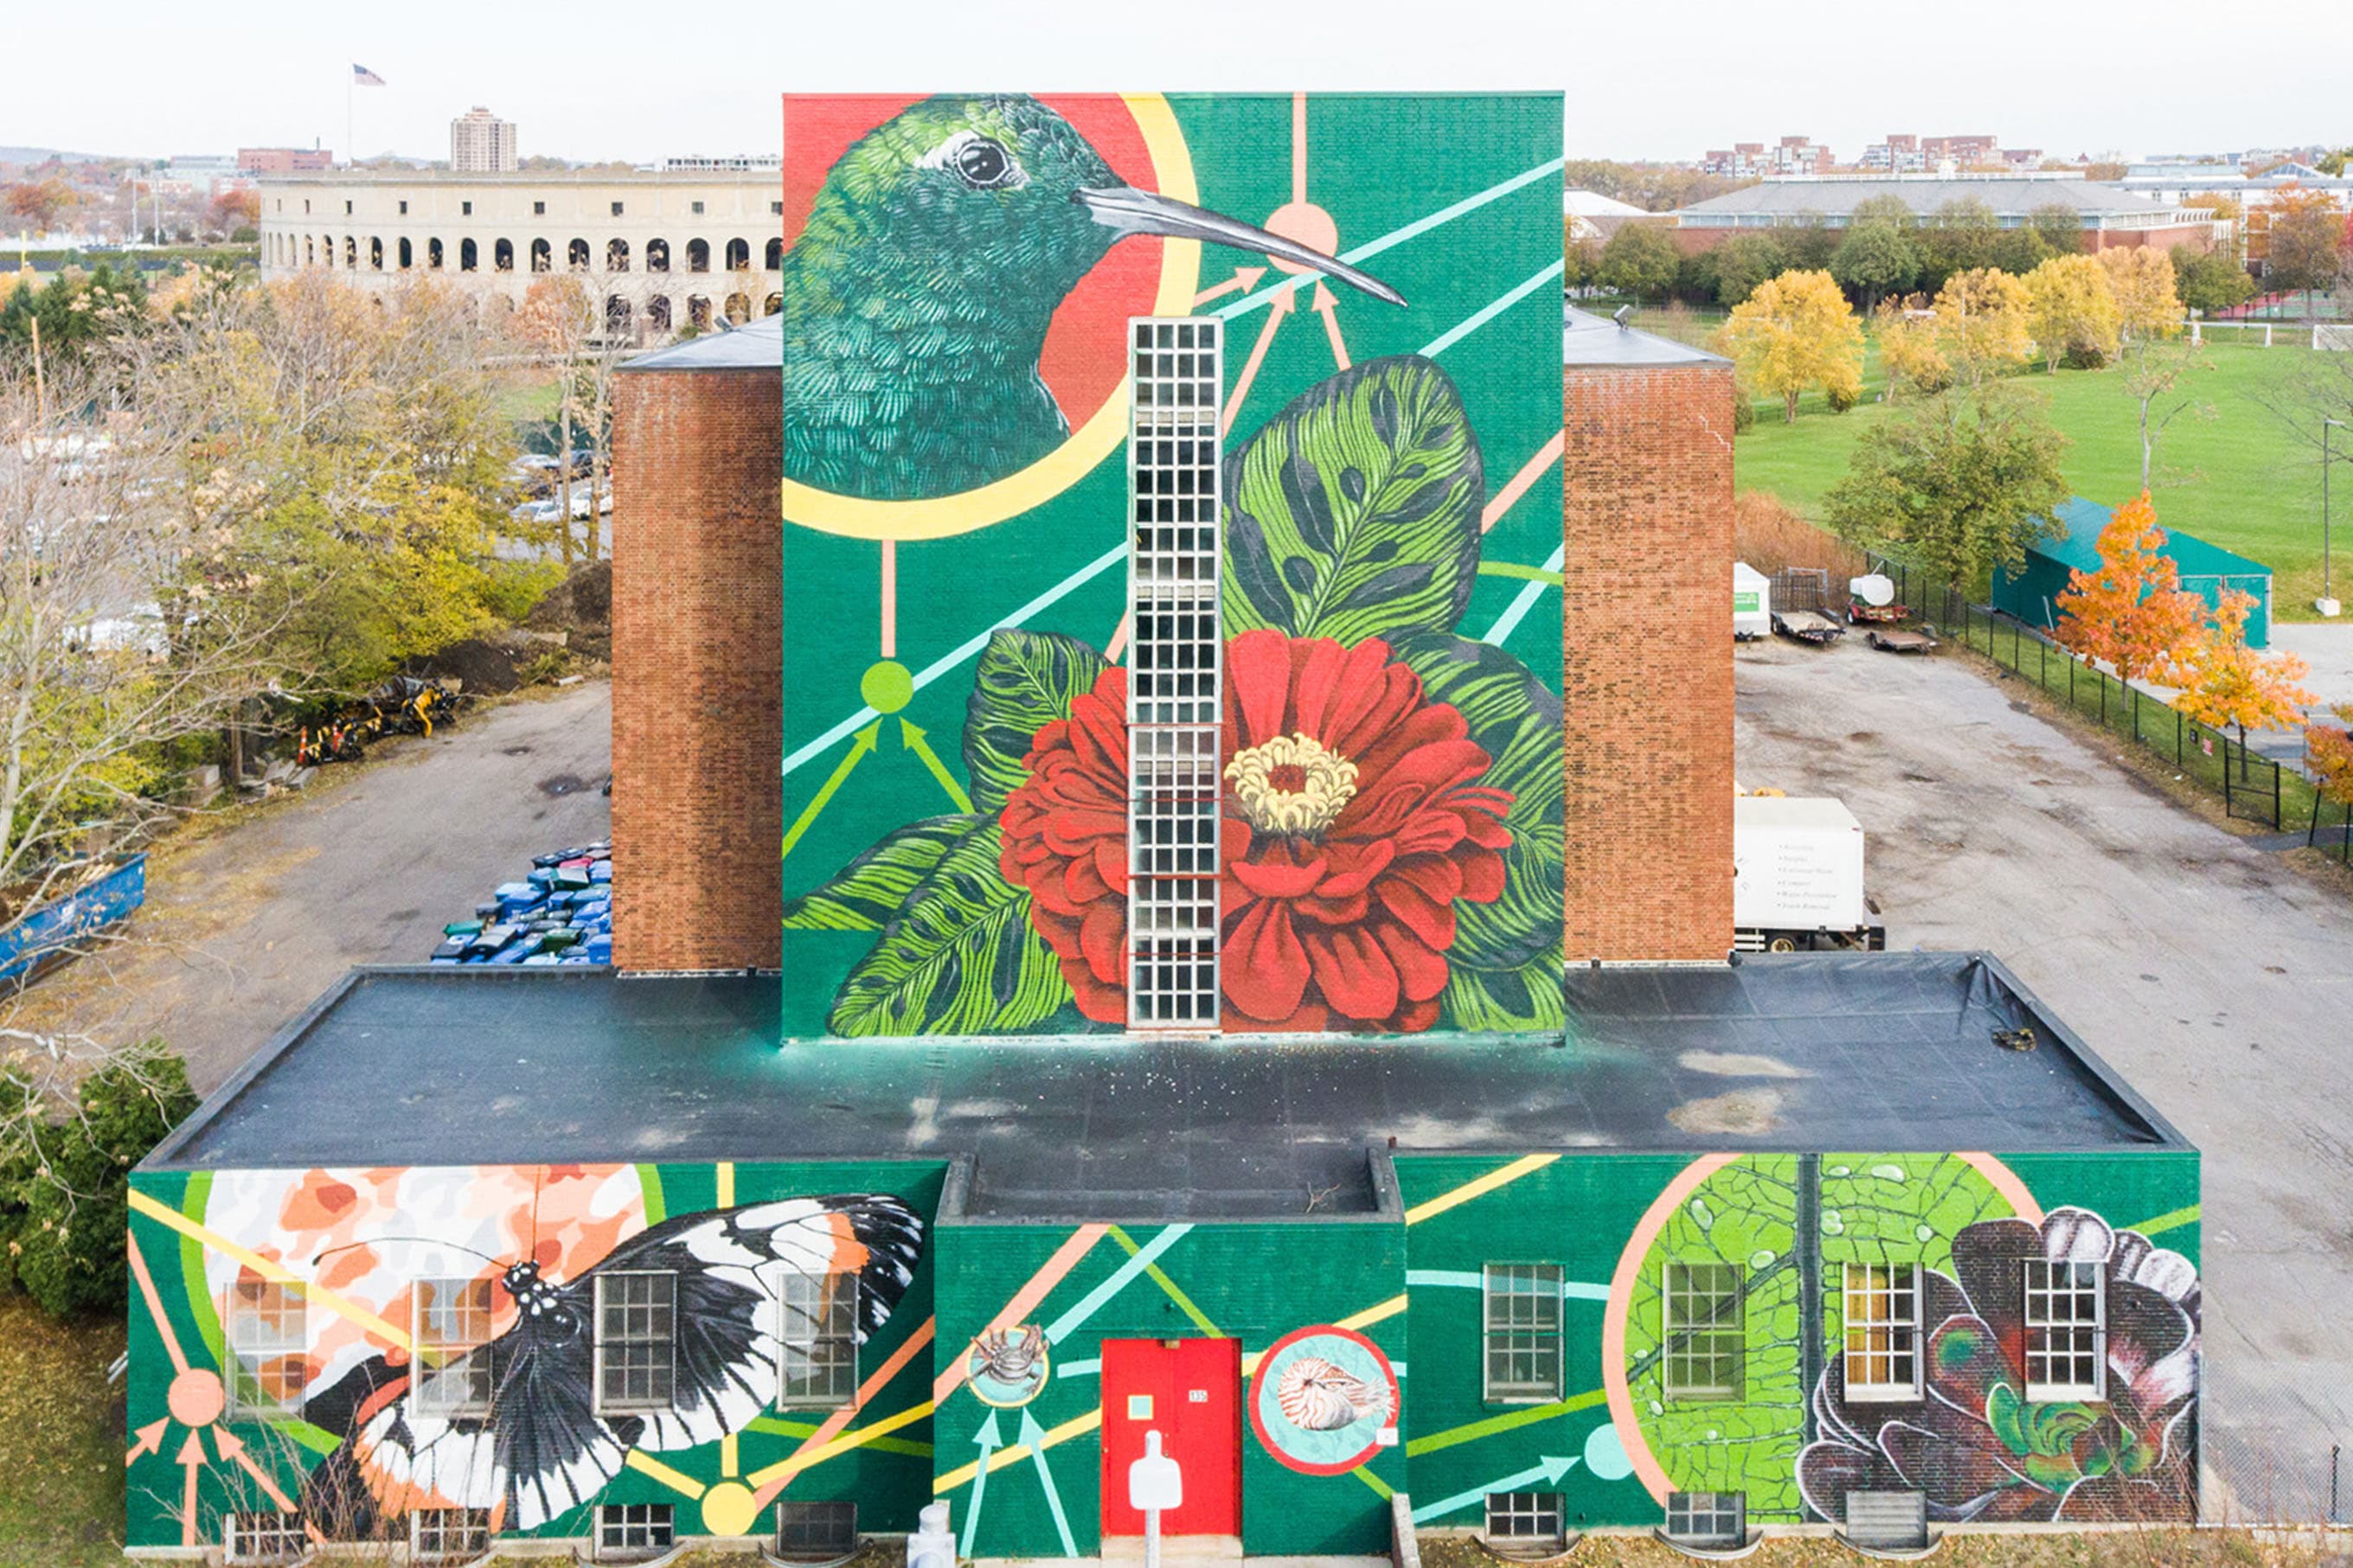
[2064, 1327]
[1530, 1518]
[449, 1534]
[1522, 1331]
[820, 1341]
[1708, 1519]
[816, 1532]
[1704, 1339]
[1883, 1330]
[636, 1346]
[268, 1343]
[1175, 708]
[453, 1318]
[627, 1530]
[266, 1535]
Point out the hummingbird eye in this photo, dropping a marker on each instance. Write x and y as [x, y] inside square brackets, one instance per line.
[983, 163]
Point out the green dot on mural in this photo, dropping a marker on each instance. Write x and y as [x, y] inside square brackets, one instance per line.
[887, 687]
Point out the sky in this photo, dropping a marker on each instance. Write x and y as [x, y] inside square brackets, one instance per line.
[591, 80]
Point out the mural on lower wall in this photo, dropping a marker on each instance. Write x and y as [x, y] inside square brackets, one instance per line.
[401, 1340]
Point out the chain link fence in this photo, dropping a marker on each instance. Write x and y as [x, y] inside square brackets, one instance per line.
[2251, 1479]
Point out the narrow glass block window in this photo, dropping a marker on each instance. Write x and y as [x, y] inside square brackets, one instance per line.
[1883, 1330]
[1705, 1341]
[816, 1532]
[628, 1530]
[635, 1344]
[269, 1341]
[453, 1324]
[266, 1535]
[1523, 1332]
[1176, 705]
[820, 1341]
[449, 1534]
[2065, 1330]
[1708, 1519]
[1526, 1519]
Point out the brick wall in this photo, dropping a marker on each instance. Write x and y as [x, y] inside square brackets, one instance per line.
[698, 611]
[1646, 645]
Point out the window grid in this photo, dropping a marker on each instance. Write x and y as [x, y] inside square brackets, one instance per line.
[635, 1341]
[1706, 1340]
[1175, 668]
[1524, 1516]
[266, 1535]
[1523, 1332]
[816, 1532]
[632, 1528]
[820, 1341]
[453, 1318]
[449, 1535]
[1708, 1519]
[1883, 1330]
[2065, 1326]
[269, 1338]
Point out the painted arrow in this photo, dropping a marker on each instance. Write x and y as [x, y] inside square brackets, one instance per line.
[150, 1440]
[1299, 148]
[1328, 308]
[912, 739]
[865, 741]
[989, 1440]
[1281, 305]
[192, 1463]
[232, 1449]
[1244, 280]
[1033, 1437]
[1548, 1470]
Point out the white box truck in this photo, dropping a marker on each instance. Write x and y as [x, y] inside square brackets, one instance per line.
[1797, 878]
[1752, 603]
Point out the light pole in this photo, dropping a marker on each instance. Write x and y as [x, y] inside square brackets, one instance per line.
[2327, 605]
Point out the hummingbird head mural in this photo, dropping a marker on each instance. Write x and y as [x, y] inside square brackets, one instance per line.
[917, 299]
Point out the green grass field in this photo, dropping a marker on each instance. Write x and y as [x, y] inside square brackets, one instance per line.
[2239, 480]
[60, 1463]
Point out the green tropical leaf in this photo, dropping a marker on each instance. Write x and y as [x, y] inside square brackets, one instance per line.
[868, 892]
[1025, 681]
[960, 957]
[1353, 513]
[1522, 1000]
[1516, 719]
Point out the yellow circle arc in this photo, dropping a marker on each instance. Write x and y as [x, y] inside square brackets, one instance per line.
[943, 517]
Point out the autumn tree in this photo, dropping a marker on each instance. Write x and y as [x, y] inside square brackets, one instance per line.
[1794, 332]
[2328, 757]
[2228, 684]
[2132, 613]
[2074, 311]
[39, 205]
[2141, 282]
[1910, 353]
[233, 209]
[1984, 323]
[2303, 231]
[1640, 259]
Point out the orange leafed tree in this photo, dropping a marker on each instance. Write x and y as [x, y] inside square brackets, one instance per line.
[2328, 754]
[2132, 613]
[2227, 683]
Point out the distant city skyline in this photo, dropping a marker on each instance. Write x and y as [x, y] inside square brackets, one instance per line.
[2058, 77]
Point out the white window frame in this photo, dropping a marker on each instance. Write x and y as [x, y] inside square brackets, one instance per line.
[288, 1538]
[430, 1530]
[658, 1522]
[253, 1337]
[1676, 1361]
[1542, 1340]
[2042, 1286]
[1717, 1509]
[813, 1345]
[606, 1405]
[1903, 1279]
[805, 1553]
[432, 1395]
[1521, 1517]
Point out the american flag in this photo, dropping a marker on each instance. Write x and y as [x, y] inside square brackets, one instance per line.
[363, 76]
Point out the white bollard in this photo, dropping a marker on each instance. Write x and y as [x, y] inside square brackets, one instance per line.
[931, 1545]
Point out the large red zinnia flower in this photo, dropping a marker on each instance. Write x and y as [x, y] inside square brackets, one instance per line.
[1353, 821]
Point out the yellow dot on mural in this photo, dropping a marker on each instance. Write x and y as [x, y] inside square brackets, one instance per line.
[728, 1509]
[887, 687]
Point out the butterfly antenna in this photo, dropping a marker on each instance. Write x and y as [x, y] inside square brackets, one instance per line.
[419, 1240]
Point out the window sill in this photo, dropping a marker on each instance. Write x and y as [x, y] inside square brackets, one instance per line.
[1884, 1394]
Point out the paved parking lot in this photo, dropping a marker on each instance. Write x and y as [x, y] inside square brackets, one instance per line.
[2217, 978]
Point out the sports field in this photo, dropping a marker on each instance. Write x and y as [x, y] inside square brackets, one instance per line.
[2239, 480]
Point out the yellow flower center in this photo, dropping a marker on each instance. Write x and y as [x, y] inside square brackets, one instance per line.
[1292, 783]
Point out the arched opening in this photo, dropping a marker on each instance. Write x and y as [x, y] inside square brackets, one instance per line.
[408, 256]
[739, 255]
[576, 255]
[776, 252]
[658, 255]
[433, 255]
[617, 256]
[739, 307]
[698, 256]
[309, 252]
[375, 254]
[350, 254]
[469, 256]
[543, 259]
[698, 312]
[503, 255]
[658, 312]
[772, 304]
[616, 316]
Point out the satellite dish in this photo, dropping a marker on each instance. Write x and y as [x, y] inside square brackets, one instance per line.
[1875, 590]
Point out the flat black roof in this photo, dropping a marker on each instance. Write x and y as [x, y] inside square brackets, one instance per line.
[422, 1066]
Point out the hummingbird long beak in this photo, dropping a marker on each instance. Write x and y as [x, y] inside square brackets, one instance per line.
[1127, 210]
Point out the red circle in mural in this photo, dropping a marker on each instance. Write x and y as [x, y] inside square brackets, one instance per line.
[1324, 1400]
[1086, 354]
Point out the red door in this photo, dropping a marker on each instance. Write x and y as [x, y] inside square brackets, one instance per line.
[1188, 1391]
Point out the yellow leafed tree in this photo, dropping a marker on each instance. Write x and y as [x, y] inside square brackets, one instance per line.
[2141, 279]
[2230, 684]
[1984, 322]
[1908, 350]
[2074, 310]
[1794, 332]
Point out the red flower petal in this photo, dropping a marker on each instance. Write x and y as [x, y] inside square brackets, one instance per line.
[1424, 916]
[1258, 688]
[1103, 940]
[1278, 879]
[1356, 976]
[1421, 970]
[1265, 969]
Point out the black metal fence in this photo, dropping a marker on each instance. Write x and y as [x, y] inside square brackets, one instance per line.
[2253, 787]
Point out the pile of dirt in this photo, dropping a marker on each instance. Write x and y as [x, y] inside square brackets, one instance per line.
[489, 665]
[581, 606]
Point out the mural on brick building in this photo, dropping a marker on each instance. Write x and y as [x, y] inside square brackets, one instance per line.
[959, 276]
